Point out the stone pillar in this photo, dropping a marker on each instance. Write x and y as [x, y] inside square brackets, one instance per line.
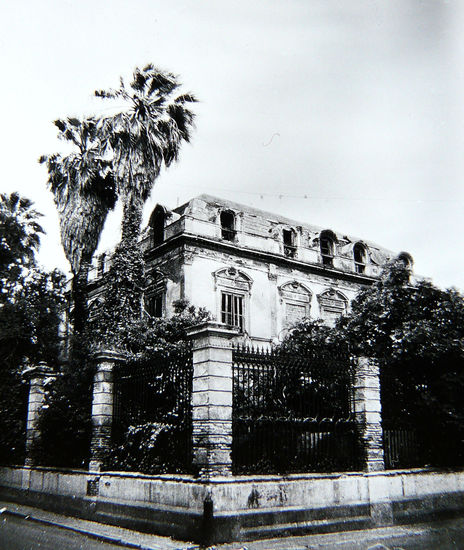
[212, 398]
[37, 377]
[367, 412]
[102, 407]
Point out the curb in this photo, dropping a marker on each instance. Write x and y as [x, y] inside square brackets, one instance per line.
[89, 534]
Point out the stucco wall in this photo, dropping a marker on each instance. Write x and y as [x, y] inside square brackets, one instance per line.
[265, 315]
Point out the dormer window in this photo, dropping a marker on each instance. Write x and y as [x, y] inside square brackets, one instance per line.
[406, 259]
[288, 236]
[228, 225]
[327, 246]
[157, 222]
[360, 258]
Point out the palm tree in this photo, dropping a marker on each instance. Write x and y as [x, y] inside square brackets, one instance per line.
[19, 236]
[84, 192]
[145, 134]
[151, 121]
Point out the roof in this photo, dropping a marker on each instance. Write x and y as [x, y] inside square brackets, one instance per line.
[273, 217]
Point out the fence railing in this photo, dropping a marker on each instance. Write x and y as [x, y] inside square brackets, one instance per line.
[292, 414]
[152, 414]
[402, 420]
[255, 412]
[401, 448]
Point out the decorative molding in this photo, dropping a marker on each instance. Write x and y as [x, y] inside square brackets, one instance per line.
[333, 301]
[231, 277]
[295, 291]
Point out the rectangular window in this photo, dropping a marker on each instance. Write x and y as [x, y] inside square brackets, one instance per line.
[233, 310]
[289, 243]
[228, 226]
[154, 305]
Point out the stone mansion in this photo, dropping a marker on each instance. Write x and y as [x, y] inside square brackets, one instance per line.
[251, 269]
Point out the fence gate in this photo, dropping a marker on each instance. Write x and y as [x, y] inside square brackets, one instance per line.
[292, 414]
[152, 422]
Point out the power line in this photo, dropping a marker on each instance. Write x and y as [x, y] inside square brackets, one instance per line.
[307, 196]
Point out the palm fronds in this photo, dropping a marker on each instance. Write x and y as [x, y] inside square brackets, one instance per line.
[83, 187]
[20, 231]
[149, 130]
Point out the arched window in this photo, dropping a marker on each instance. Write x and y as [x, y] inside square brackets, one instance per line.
[228, 225]
[157, 222]
[360, 257]
[327, 245]
[296, 301]
[406, 259]
[288, 236]
[332, 305]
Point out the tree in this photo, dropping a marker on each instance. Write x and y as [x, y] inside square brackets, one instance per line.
[84, 192]
[417, 333]
[145, 134]
[65, 424]
[30, 304]
[19, 239]
[399, 320]
[152, 433]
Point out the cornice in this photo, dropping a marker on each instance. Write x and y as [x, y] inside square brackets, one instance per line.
[183, 239]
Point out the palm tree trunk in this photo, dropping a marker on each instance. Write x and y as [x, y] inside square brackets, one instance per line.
[124, 286]
[79, 297]
[131, 218]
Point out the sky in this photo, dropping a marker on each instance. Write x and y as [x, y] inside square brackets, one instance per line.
[344, 114]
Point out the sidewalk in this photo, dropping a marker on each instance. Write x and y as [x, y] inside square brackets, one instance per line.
[100, 531]
[443, 535]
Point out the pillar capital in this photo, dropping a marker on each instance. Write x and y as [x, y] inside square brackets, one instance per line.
[108, 356]
[212, 334]
[42, 370]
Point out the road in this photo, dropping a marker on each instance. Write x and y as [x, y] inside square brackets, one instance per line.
[45, 533]
[20, 534]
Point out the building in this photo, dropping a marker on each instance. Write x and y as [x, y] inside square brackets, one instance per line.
[252, 269]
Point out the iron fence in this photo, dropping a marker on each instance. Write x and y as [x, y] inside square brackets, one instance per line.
[152, 414]
[401, 448]
[403, 419]
[293, 414]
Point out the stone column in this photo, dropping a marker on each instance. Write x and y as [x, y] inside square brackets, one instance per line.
[212, 398]
[37, 377]
[102, 407]
[367, 409]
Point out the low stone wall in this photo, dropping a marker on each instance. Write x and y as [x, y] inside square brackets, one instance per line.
[322, 490]
[239, 508]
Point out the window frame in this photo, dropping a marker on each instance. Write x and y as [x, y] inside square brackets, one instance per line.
[228, 232]
[407, 260]
[237, 313]
[289, 247]
[327, 258]
[360, 264]
[160, 298]
[231, 280]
